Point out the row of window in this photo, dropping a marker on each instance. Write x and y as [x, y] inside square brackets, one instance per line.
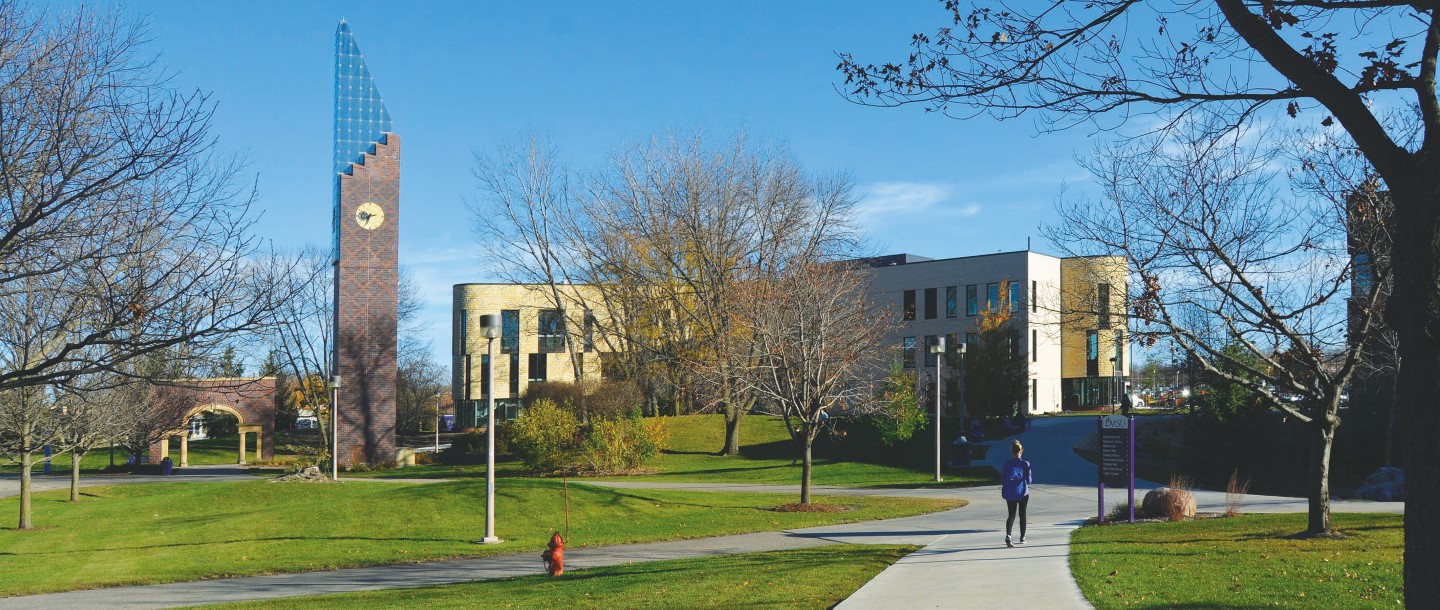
[1092, 352]
[1010, 291]
[952, 347]
[549, 330]
[538, 371]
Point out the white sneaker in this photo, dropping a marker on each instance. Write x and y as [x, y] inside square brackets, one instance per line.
[1008, 543]
[1022, 540]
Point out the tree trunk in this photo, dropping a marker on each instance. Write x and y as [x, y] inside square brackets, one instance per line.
[732, 429]
[75, 458]
[1320, 480]
[27, 460]
[1413, 311]
[1392, 414]
[806, 466]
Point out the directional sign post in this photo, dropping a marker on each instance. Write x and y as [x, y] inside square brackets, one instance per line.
[1117, 457]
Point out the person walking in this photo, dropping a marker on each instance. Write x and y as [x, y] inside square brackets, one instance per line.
[1015, 488]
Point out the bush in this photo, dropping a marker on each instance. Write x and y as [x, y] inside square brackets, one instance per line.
[613, 399]
[544, 436]
[466, 448]
[559, 392]
[618, 445]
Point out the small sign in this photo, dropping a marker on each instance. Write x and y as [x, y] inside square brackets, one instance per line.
[1115, 455]
[1115, 422]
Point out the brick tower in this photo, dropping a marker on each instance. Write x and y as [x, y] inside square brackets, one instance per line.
[366, 233]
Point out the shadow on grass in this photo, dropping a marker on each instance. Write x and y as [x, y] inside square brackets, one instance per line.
[238, 541]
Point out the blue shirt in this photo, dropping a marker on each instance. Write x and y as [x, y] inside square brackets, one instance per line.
[1015, 479]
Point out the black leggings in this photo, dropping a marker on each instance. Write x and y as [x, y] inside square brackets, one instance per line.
[1010, 521]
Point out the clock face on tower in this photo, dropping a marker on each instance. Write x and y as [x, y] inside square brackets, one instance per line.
[369, 215]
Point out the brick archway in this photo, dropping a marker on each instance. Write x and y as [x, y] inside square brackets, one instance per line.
[249, 399]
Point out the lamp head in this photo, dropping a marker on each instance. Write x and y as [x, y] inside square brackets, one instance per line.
[490, 326]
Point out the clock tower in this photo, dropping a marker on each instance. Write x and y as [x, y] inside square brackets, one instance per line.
[366, 250]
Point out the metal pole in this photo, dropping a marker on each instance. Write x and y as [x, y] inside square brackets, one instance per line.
[335, 428]
[437, 425]
[939, 366]
[490, 448]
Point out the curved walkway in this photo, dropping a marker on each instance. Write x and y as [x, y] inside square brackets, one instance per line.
[964, 562]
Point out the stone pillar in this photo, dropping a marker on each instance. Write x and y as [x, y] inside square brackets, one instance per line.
[164, 447]
[184, 449]
[242, 448]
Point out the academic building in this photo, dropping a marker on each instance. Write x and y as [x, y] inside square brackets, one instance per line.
[1067, 317]
[531, 347]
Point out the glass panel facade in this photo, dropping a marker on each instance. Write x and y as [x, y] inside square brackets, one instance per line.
[361, 120]
[1092, 354]
[970, 300]
[551, 330]
[992, 297]
[510, 330]
[951, 301]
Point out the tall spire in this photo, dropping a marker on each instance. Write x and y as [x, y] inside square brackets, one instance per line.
[361, 120]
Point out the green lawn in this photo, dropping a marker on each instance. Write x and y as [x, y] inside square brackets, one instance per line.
[135, 534]
[808, 578]
[1245, 562]
[219, 450]
[766, 456]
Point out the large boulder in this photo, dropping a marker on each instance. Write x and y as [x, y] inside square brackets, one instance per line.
[1166, 503]
[1386, 484]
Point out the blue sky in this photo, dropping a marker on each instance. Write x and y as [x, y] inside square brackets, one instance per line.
[594, 77]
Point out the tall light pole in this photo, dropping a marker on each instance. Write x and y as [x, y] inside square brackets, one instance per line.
[335, 427]
[438, 395]
[1115, 374]
[939, 350]
[490, 329]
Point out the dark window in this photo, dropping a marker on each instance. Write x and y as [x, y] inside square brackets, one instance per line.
[907, 351]
[464, 347]
[484, 375]
[1034, 394]
[537, 367]
[589, 331]
[610, 366]
[1364, 274]
[930, 341]
[952, 349]
[1034, 301]
[931, 298]
[970, 300]
[514, 375]
[909, 305]
[951, 298]
[1034, 346]
[465, 379]
[992, 297]
[550, 329]
[1092, 354]
[1119, 350]
[973, 340]
[1014, 296]
[1012, 343]
[1103, 304]
[510, 330]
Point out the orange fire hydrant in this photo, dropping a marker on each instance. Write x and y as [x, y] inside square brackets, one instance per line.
[554, 556]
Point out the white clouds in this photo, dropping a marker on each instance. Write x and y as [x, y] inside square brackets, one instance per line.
[883, 201]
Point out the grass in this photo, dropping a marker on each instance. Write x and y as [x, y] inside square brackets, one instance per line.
[1242, 562]
[218, 450]
[806, 578]
[766, 457]
[140, 534]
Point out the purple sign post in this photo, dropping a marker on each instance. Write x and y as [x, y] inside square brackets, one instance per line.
[1117, 457]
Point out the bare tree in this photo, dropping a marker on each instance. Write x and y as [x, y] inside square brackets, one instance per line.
[816, 343]
[304, 336]
[675, 226]
[1079, 62]
[89, 415]
[122, 235]
[1252, 282]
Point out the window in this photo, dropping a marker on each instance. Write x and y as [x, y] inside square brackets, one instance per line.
[1034, 395]
[465, 381]
[970, 299]
[1034, 345]
[464, 346]
[930, 341]
[537, 367]
[1364, 274]
[510, 330]
[1012, 343]
[992, 297]
[589, 331]
[909, 306]
[951, 296]
[952, 348]
[972, 339]
[931, 308]
[551, 330]
[1092, 354]
[907, 351]
[1103, 304]
[1034, 302]
[484, 376]
[1014, 296]
[1119, 350]
[514, 375]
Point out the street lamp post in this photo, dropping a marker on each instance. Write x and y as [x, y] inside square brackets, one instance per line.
[1115, 388]
[490, 329]
[939, 350]
[335, 427]
[438, 395]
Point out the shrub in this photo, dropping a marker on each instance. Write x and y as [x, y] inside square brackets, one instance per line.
[1235, 492]
[617, 445]
[544, 436]
[466, 448]
[613, 399]
[561, 393]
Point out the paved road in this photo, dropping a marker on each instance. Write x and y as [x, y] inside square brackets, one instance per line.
[964, 562]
